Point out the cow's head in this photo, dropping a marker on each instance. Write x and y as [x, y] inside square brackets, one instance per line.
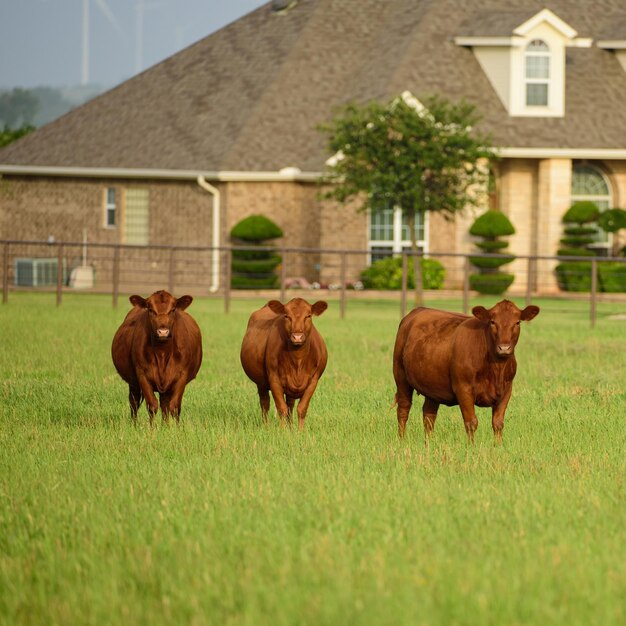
[297, 315]
[502, 323]
[161, 307]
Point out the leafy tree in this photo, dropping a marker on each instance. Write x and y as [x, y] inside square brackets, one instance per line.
[7, 135]
[417, 157]
[18, 107]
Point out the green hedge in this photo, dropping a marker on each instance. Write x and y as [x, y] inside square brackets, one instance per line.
[492, 284]
[574, 275]
[387, 274]
[612, 277]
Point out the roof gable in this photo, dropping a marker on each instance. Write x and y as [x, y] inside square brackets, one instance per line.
[250, 96]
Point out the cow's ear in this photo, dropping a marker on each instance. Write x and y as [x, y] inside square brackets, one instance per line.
[138, 301]
[481, 313]
[529, 313]
[277, 307]
[319, 307]
[183, 302]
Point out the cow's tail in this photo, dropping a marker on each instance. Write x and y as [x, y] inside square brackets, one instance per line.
[395, 401]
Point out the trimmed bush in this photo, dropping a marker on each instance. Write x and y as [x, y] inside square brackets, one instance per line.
[255, 269]
[491, 225]
[574, 275]
[492, 284]
[490, 262]
[256, 228]
[387, 274]
[575, 252]
[489, 246]
[612, 277]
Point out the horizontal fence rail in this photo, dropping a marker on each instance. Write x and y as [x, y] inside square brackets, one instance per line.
[245, 271]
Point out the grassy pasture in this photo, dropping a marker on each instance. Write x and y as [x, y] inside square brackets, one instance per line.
[224, 520]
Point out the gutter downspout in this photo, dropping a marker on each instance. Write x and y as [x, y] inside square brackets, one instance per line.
[215, 264]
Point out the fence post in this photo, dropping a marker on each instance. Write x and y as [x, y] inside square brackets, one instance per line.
[5, 274]
[59, 273]
[466, 274]
[171, 271]
[116, 274]
[405, 280]
[342, 278]
[227, 279]
[530, 280]
[283, 274]
[594, 287]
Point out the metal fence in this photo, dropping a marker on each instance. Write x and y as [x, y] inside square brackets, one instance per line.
[63, 267]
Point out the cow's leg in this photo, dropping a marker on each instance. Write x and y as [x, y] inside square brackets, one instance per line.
[303, 405]
[135, 398]
[404, 400]
[497, 414]
[429, 415]
[466, 403]
[279, 400]
[264, 400]
[176, 397]
[151, 401]
[290, 404]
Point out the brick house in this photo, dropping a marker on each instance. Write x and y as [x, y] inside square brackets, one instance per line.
[228, 127]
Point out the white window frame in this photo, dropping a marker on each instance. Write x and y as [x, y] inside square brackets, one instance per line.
[397, 243]
[537, 49]
[111, 208]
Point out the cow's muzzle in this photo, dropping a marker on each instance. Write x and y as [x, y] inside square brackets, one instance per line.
[163, 334]
[297, 338]
[504, 349]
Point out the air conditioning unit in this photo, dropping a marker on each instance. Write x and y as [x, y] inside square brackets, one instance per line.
[37, 272]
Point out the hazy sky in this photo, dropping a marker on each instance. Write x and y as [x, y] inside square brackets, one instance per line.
[41, 41]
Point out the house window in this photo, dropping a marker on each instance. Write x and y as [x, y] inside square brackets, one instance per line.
[110, 208]
[537, 75]
[588, 183]
[389, 233]
[136, 218]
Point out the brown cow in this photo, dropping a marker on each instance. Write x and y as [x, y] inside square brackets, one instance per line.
[158, 348]
[283, 352]
[456, 359]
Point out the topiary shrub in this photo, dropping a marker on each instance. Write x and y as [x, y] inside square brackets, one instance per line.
[490, 226]
[492, 284]
[576, 275]
[612, 277]
[255, 269]
[387, 274]
[577, 236]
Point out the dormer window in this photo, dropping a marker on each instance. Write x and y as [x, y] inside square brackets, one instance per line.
[537, 74]
[524, 62]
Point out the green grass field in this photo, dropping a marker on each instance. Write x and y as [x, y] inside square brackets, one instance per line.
[224, 520]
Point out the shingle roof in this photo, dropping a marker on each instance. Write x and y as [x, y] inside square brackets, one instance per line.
[249, 97]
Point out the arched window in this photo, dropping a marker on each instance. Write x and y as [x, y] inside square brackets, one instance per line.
[588, 183]
[537, 74]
